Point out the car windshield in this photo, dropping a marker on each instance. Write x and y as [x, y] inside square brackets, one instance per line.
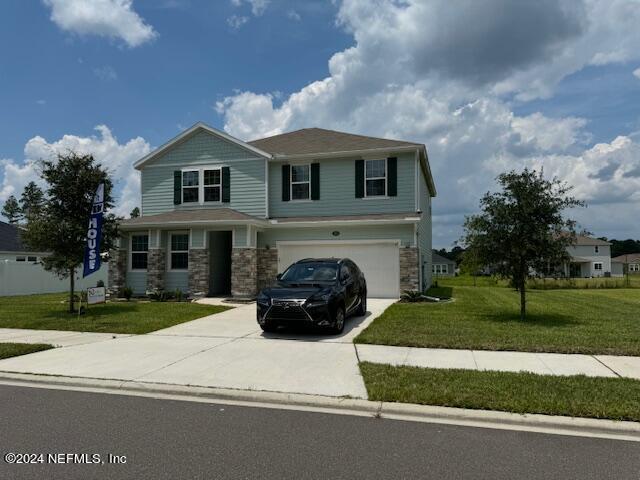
[310, 272]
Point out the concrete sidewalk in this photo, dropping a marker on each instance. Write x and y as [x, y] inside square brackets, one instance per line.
[225, 350]
[541, 363]
[57, 338]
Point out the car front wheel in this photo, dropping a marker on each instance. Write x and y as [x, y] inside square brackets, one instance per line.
[338, 320]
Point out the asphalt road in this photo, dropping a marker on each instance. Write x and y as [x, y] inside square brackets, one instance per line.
[182, 440]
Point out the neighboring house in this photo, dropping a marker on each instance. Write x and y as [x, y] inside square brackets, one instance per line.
[11, 247]
[590, 257]
[626, 263]
[22, 274]
[442, 266]
[220, 216]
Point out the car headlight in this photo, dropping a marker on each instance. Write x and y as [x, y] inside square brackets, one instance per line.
[318, 300]
[263, 300]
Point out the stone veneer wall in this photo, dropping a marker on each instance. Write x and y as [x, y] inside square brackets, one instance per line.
[117, 271]
[199, 271]
[409, 273]
[156, 268]
[267, 267]
[244, 272]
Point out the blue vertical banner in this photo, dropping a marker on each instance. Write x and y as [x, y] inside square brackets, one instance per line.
[94, 234]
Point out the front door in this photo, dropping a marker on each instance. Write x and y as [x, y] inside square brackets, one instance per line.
[220, 263]
[575, 270]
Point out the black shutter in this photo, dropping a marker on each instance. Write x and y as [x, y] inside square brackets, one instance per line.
[226, 185]
[359, 178]
[392, 177]
[177, 187]
[286, 183]
[315, 181]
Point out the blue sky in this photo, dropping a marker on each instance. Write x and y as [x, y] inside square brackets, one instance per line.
[542, 85]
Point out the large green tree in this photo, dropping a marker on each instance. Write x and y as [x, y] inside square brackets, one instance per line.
[61, 227]
[11, 210]
[31, 200]
[522, 228]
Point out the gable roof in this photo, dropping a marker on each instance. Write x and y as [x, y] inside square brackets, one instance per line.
[627, 258]
[586, 240]
[439, 259]
[319, 140]
[198, 127]
[189, 217]
[10, 238]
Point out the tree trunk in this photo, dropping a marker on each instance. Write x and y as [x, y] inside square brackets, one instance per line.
[523, 302]
[72, 280]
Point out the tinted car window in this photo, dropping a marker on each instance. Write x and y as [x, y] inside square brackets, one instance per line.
[311, 272]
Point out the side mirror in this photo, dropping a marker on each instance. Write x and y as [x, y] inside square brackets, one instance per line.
[278, 276]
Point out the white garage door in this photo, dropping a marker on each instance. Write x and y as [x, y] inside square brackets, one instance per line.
[379, 261]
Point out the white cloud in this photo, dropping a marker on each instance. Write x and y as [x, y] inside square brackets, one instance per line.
[107, 18]
[117, 157]
[445, 75]
[258, 7]
[293, 15]
[235, 21]
[106, 73]
[636, 73]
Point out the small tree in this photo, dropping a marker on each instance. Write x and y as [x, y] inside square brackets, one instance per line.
[11, 210]
[62, 227]
[32, 200]
[135, 213]
[471, 263]
[522, 228]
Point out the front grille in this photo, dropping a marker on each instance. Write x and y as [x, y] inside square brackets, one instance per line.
[287, 310]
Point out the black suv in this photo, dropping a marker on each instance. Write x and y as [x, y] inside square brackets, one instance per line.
[321, 292]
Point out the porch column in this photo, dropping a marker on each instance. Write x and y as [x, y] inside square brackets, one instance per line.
[198, 271]
[409, 273]
[156, 268]
[117, 270]
[244, 272]
[267, 267]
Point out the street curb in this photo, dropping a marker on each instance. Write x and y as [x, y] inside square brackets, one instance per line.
[559, 425]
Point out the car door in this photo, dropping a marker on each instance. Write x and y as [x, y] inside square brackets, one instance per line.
[350, 288]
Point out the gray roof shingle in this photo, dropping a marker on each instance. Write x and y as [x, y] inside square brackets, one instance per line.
[320, 140]
[187, 216]
[10, 238]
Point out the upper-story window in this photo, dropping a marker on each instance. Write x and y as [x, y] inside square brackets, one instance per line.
[300, 182]
[212, 185]
[190, 186]
[139, 251]
[597, 249]
[375, 173]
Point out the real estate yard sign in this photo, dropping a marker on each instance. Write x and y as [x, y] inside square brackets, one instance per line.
[96, 295]
[94, 233]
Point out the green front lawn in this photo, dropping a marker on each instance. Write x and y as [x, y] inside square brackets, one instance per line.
[576, 396]
[49, 312]
[14, 349]
[486, 318]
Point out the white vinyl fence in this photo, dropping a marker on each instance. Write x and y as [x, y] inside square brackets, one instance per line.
[23, 278]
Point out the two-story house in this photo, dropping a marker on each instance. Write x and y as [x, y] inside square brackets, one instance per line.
[590, 257]
[221, 216]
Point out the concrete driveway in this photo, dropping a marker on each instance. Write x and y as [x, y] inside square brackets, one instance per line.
[226, 350]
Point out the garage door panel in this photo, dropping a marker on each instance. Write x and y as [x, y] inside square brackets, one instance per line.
[379, 262]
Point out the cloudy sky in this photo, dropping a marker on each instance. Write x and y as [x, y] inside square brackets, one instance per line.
[487, 86]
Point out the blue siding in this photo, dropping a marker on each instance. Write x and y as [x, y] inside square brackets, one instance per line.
[138, 282]
[177, 281]
[425, 233]
[337, 191]
[247, 173]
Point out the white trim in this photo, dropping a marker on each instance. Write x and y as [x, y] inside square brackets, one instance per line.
[315, 223]
[386, 151]
[130, 268]
[189, 223]
[169, 251]
[266, 188]
[202, 170]
[337, 242]
[291, 182]
[386, 178]
[199, 126]
[182, 185]
[220, 229]
[417, 182]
